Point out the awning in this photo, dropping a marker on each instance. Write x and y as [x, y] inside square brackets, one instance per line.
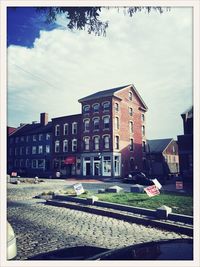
[70, 160]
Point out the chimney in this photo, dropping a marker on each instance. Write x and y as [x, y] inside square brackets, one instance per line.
[44, 118]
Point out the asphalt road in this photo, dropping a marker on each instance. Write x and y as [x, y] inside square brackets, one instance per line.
[40, 228]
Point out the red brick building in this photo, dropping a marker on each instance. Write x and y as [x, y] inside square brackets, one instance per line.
[113, 132]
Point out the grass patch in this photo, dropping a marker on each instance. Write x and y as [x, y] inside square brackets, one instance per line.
[182, 204]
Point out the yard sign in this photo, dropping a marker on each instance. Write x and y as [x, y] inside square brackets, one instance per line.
[78, 189]
[179, 185]
[152, 190]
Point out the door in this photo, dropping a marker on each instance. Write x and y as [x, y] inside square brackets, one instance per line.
[87, 168]
[96, 169]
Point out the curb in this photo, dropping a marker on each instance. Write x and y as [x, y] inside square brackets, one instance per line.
[126, 216]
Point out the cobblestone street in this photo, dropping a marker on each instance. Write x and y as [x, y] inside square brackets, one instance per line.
[40, 228]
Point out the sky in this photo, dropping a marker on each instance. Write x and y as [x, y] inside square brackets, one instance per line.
[51, 67]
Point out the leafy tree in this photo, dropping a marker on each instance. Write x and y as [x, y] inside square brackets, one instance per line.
[87, 18]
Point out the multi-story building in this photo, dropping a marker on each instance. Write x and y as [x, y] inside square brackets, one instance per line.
[29, 148]
[163, 159]
[66, 145]
[107, 139]
[185, 143]
[113, 132]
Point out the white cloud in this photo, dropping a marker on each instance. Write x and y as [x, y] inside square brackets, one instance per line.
[152, 51]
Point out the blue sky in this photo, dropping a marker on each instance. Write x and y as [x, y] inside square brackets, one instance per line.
[51, 67]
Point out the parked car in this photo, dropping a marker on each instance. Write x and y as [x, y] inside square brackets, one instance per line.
[137, 177]
[171, 249]
[11, 243]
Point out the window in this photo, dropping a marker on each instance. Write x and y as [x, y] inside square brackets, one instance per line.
[116, 123]
[131, 144]
[34, 137]
[17, 140]
[74, 145]
[34, 163]
[130, 126]
[47, 136]
[21, 162]
[65, 146]
[47, 149]
[65, 129]
[106, 106]
[116, 107]
[143, 146]
[27, 138]
[116, 142]
[86, 109]
[86, 143]
[96, 123]
[40, 137]
[130, 96]
[34, 149]
[143, 117]
[21, 151]
[16, 151]
[40, 149]
[96, 142]
[27, 163]
[57, 146]
[74, 128]
[117, 165]
[22, 139]
[107, 166]
[40, 163]
[86, 125]
[130, 111]
[106, 122]
[57, 130]
[143, 130]
[106, 141]
[96, 107]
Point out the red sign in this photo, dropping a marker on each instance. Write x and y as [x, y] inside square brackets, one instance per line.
[179, 185]
[14, 174]
[152, 190]
[70, 160]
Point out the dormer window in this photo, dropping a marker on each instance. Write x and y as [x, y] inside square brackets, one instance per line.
[86, 109]
[130, 96]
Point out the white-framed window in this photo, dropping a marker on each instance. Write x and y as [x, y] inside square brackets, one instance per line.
[40, 137]
[86, 109]
[47, 149]
[57, 130]
[86, 143]
[74, 145]
[34, 163]
[34, 137]
[40, 163]
[106, 106]
[96, 123]
[34, 149]
[106, 142]
[131, 144]
[74, 128]
[143, 117]
[86, 125]
[48, 136]
[96, 142]
[106, 166]
[130, 126]
[130, 96]
[143, 130]
[106, 122]
[65, 129]
[116, 106]
[116, 123]
[96, 107]
[116, 142]
[57, 146]
[130, 111]
[40, 149]
[65, 145]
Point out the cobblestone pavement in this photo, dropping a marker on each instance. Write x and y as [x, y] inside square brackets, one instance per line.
[40, 228]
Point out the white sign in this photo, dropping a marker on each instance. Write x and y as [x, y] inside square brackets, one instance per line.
[78, 189]
[152, 191]
[157, 184]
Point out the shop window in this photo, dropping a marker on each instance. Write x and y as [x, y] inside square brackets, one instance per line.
[107, 166]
